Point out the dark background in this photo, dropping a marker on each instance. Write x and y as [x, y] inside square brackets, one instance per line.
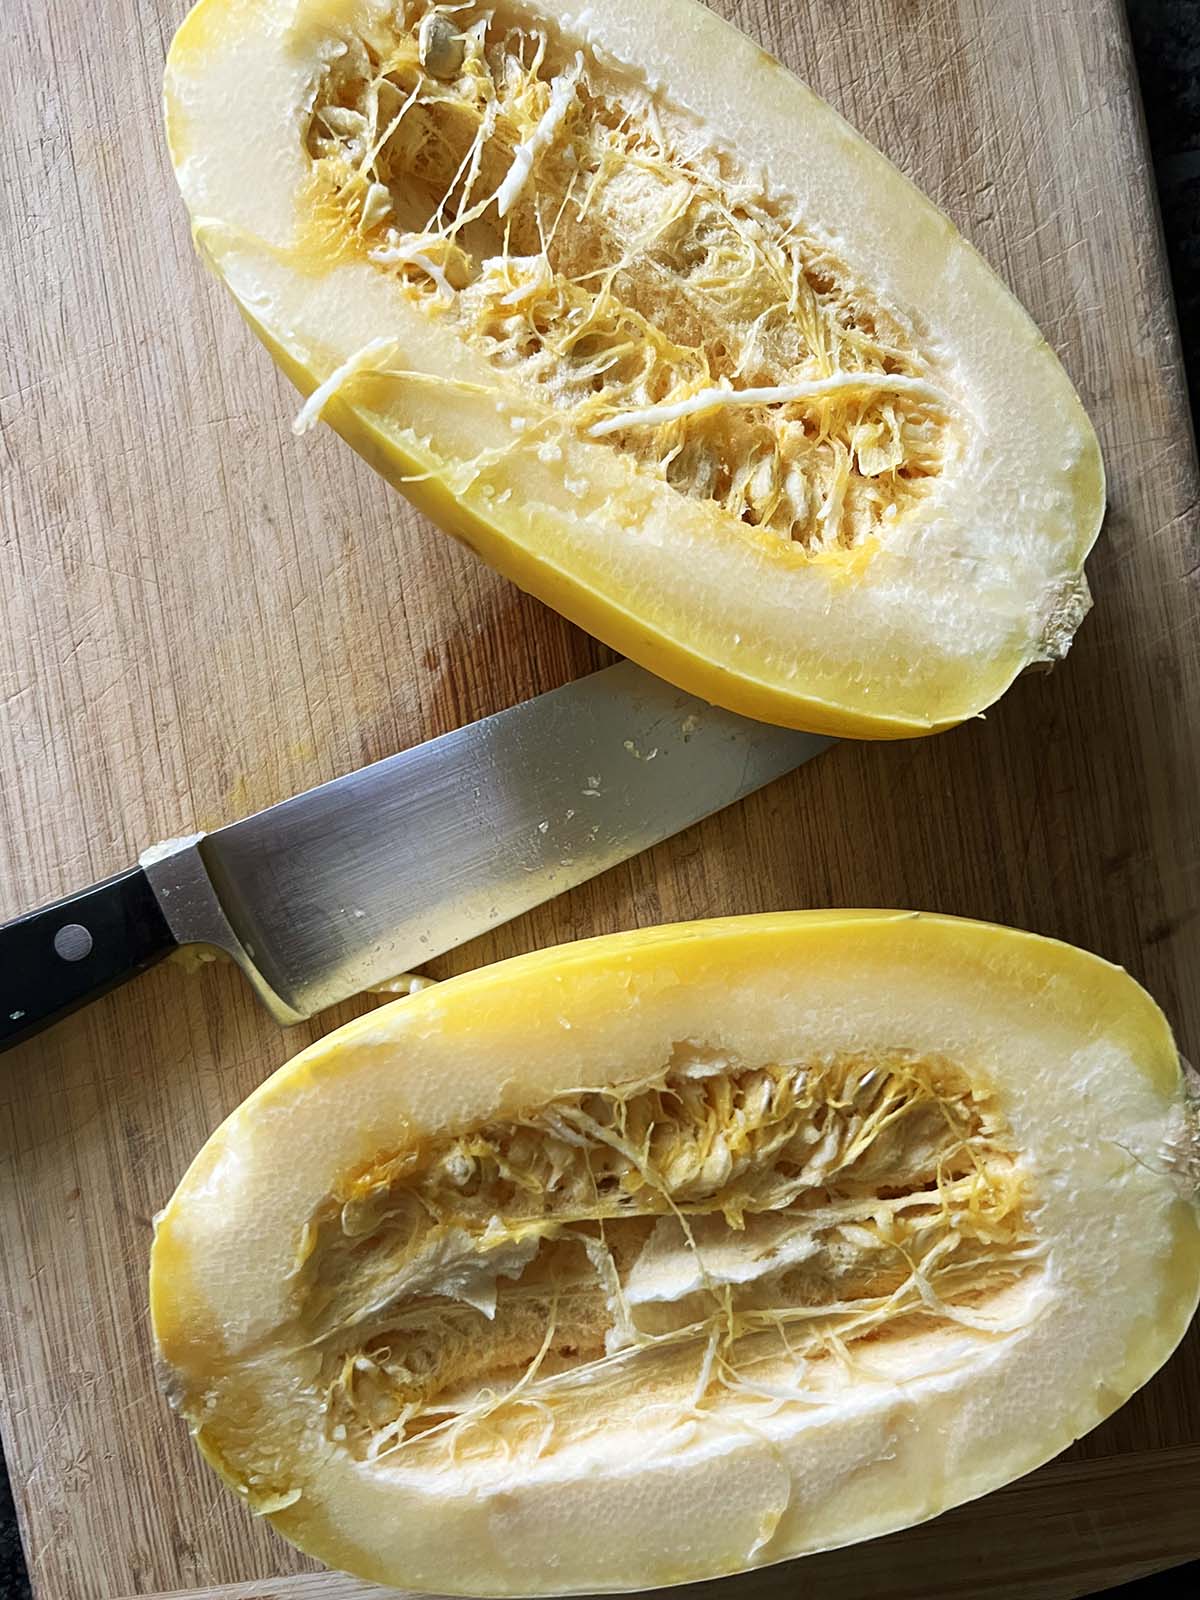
[1166, 41]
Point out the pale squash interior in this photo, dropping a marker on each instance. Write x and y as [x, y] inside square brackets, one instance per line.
[659, 1248]
[585, 234]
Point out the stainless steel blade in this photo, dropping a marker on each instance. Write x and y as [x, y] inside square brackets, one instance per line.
[359, 880]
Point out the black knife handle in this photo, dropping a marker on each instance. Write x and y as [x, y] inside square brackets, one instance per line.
[73, 951]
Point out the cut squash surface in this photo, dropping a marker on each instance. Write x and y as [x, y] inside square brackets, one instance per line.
[620, 303]
[669, 1254]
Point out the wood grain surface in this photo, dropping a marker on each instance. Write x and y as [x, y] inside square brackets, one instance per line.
[200, 615]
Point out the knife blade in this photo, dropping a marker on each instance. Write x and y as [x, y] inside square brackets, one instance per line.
[354, 882]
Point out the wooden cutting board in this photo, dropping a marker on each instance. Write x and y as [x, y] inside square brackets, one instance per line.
[201, 615]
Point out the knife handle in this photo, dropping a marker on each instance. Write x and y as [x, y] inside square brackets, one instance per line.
[59, 958]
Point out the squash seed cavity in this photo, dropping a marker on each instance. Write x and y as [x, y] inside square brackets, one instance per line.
[589, 238]
[720, 1235]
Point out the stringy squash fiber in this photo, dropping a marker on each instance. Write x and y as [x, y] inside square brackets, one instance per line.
[620, 303]
[669, 1254]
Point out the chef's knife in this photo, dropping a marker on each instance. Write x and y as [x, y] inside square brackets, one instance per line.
[353, 883]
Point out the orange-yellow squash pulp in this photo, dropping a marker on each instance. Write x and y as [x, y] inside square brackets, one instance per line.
[620, 303]
[666, 1255]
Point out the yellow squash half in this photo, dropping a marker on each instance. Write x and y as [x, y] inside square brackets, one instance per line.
[670, 1254]
[620, 303]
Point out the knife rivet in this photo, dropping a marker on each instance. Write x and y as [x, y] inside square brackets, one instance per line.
[72, 942]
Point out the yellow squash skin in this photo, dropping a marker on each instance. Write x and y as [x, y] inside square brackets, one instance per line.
[1076, 1064]
[901, 632]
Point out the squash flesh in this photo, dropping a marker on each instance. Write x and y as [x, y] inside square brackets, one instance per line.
[803, 457]
[670, 1254]
[700, 1235]
[642, 273]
